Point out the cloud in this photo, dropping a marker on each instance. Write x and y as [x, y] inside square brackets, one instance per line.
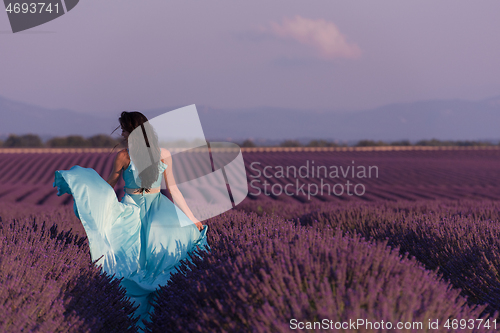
[320, 34]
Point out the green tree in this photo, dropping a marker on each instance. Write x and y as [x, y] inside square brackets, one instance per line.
[370, 143]
[434, 142]
[103, 141]
[27, 140]
[75, 141]
[401, 143]
[290, 143]
[473, 143]
[248, 143]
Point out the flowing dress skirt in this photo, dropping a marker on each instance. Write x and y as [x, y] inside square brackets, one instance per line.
[142, 238]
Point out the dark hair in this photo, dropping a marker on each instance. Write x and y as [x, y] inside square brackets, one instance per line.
[146, 159]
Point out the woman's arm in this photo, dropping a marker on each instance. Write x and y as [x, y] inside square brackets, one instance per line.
[118, 164]
[174, 190]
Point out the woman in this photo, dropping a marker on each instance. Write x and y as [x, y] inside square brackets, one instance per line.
[145, 236]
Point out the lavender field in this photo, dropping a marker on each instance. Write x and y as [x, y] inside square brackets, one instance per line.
[419, 242]
[395, 175]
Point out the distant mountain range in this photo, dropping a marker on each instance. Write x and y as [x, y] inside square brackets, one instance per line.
[440, 119]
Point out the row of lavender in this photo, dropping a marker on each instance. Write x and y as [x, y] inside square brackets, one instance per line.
[266, 274]
[263, 273]
[299, 177]
[460, 239]
[49, 283]
[374, 176]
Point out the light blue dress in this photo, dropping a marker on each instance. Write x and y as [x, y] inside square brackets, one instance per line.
[142, 238]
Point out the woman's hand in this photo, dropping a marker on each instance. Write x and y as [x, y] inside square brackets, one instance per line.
[198, 224]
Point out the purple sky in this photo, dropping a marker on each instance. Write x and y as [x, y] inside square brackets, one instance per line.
[105, 56]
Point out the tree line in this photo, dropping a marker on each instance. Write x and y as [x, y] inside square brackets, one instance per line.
[373, 143]
[73, 141]
[106, 141]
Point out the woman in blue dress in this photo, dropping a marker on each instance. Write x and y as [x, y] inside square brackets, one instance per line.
[143, 237]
